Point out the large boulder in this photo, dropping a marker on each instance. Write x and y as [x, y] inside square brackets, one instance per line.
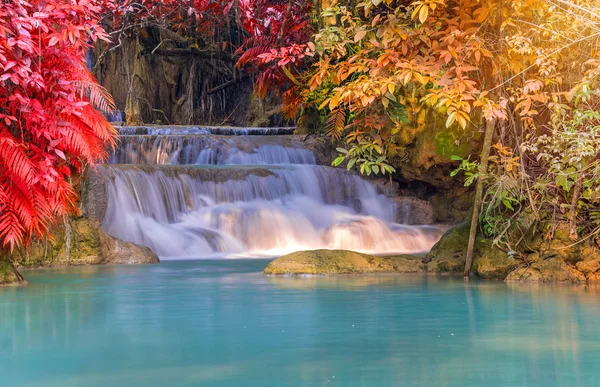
[83, 242]
[342, 262]
[449, 254]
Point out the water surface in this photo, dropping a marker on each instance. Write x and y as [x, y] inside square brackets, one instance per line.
[221, 323]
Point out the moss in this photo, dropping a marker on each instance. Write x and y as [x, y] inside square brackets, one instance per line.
[342, 262]
[491, 262]
[449, 255]
[90, 245]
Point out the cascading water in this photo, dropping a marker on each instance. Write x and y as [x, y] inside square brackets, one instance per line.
[219, 130]
[203, 150]
[246, 196]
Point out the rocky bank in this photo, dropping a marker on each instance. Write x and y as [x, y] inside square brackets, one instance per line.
[553, 261]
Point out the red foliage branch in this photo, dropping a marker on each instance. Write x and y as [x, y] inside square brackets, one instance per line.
[49, 125]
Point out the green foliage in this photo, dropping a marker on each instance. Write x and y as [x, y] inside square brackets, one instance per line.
[365, 155]
[469, 168]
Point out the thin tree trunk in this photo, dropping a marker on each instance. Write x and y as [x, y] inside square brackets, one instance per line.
[19, 276]
[67, 240]
[574, 207]
[485, 154]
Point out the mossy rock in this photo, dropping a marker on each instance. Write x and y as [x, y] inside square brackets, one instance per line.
[89, 245]
[342, 262]
[450, 253]
[548, 270]
[492, 263]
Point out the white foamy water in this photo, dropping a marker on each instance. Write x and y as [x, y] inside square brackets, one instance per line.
[255, 200]
[203, 150]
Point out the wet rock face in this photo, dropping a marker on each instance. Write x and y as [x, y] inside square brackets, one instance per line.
[342, 262]
[116, 251]
[83, 242]
[411, 211]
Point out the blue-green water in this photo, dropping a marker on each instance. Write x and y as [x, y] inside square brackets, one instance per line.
[221, 323]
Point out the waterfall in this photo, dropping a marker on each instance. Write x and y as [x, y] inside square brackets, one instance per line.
[218, 130]
[247, 196]
[185, 149]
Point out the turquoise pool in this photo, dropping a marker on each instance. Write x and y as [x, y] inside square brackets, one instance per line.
[221, 323]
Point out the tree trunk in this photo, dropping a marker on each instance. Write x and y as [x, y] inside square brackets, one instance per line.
[67, 240]
[485, 154]
[574, 207]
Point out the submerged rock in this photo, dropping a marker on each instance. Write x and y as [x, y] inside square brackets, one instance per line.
[83, 242]
[342, 262]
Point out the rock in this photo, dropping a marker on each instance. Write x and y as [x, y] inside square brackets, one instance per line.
[429, 149]
[89, 245]
[7, 275]
[342, 262]
[449, 256]
[590, 265]
[94, 195]
[547, 270]
[385, 186]
[116, 251]
[452, 206]
[492, 263]
[411, 210]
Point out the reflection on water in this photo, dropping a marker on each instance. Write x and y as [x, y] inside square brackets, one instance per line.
[221, 323]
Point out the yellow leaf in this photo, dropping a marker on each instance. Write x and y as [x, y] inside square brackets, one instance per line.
[359, 35]
[450, 119]
[423, 13]
[334, 102]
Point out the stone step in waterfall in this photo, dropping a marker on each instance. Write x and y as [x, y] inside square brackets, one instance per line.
[204, 195]
[218, 130]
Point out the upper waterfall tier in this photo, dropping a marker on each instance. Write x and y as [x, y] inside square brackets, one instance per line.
[187, 211]
[211, 149]
[218, 130]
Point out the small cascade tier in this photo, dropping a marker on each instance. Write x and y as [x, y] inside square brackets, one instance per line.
[246, 196]
[219, 130]
[211, 149]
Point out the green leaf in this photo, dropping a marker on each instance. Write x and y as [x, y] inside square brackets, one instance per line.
[341, 150]
[337, 161]
[351, 163]
[507, 204]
